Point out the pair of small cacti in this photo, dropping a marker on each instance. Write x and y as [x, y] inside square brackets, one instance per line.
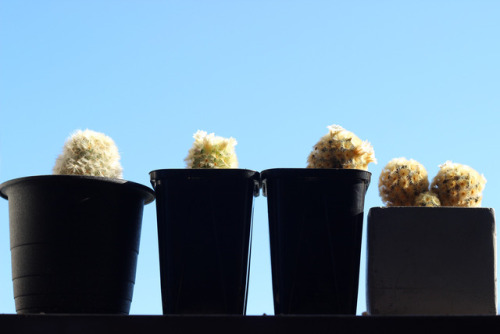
[405, 183]
[402, 182]
[93, 153]
[339, 148]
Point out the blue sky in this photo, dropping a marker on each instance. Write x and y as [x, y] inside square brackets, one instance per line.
[418, 79]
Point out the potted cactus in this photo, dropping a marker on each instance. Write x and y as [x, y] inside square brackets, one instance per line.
[432, 249]
[204, 215]
[315, 226]
[75, 235]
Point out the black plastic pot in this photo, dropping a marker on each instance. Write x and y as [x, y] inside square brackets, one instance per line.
[315, 227]
[204, 233]
[431, 261]
[74, 242]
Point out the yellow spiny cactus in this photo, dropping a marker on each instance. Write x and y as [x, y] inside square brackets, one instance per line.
[458, 185]
[89, 153]
[427, 198]
[210, 151]
[340, 148]
[401, 181]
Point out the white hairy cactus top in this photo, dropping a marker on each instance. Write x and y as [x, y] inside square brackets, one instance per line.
[210, 151]
[340, 148]
[89, 153]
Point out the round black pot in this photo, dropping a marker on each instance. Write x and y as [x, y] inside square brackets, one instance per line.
[204, 231]
[315, 229]
[74, 242]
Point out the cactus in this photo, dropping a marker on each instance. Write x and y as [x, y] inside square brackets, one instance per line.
[340, 148]
[89, 153]
[401, 181]
[427, 198]
[458, 185]
[210, 151]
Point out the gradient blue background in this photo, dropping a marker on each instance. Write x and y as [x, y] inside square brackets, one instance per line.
[418, 79]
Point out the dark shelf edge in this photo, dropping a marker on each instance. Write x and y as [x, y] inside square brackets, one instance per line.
[221, 324]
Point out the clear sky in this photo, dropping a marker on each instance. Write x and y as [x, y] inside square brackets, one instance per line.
[418, 79]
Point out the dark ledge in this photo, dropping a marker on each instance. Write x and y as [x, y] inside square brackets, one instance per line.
[148, 324]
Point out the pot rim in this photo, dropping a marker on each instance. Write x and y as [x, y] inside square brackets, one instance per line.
[148, 193]
[203, 172]
[316, 172]
[428, 208]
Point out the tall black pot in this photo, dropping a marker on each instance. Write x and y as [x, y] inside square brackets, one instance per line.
[74, 242]
[204, 233]
[315, 227]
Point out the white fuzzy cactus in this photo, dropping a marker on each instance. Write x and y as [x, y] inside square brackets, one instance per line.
[210, 151]
[89, 153]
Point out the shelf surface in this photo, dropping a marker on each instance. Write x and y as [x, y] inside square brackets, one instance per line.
[186, 324]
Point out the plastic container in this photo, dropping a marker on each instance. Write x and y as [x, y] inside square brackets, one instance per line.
[315, 228]
[74, 242]
[431, 261]
[204, 234]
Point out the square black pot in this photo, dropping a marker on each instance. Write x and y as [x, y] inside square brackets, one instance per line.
[431, 261]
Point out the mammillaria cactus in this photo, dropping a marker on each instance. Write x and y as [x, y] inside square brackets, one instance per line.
[340, 148]
[458, 185]
[89, 153]
[427, 198]
[210, 151]
[401, 181]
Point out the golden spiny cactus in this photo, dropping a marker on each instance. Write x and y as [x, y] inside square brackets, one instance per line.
[340, 148]
[458, 185]
[427, 198]
[401, 181]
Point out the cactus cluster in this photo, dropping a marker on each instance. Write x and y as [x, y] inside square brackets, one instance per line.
[401, 181]
[404, 183]
[458, 185]
[340, 148]
[210, 151]
[89, 153]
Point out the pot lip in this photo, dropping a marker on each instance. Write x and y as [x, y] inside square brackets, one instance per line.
[203, 172]
[316, 172]
[148, 193]
[423, 208]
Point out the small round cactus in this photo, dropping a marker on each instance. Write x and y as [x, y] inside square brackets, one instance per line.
[401, 181]
[458, 185]
[89, 153]
[340, 148]
[427, 198]
[210, 151]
